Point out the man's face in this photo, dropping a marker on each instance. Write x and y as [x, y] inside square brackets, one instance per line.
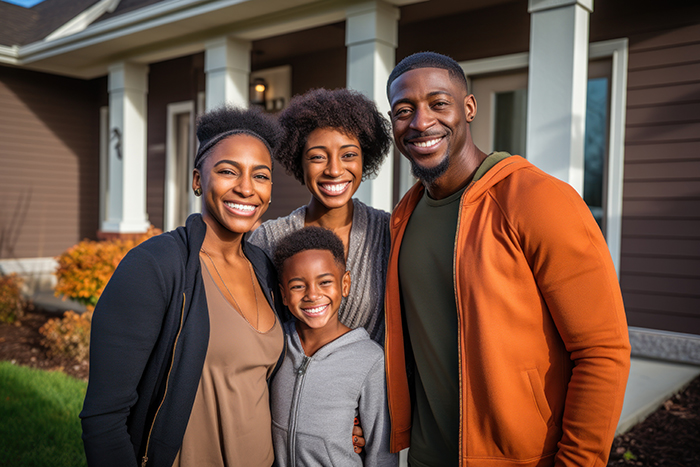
[429, 118]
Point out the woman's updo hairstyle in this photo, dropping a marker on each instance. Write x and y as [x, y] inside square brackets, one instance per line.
[349, 112]
[225, 121]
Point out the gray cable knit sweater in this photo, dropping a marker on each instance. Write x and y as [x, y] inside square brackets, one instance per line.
[368, 255]
[315, 399]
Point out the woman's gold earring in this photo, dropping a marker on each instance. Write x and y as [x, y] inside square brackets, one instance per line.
[198, 191]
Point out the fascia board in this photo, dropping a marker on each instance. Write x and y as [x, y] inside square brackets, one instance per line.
[9, 54]
[83, 20]
[290, 20]
[143, 19]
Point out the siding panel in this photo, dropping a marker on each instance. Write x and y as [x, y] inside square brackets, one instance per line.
[649, 189]
[655, 208]
[660, 285]
[663, 95]
[676, 74]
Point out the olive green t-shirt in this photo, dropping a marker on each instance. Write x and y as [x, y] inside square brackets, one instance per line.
[426, 275]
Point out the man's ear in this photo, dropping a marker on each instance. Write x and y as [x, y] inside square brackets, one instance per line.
[470, 107]
[346, 283]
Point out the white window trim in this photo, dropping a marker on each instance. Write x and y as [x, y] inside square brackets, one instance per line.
[618, 51]
[171, 187]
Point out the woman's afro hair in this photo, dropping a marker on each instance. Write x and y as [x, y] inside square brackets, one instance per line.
[309, 238]
[349, 112]
[217, 124]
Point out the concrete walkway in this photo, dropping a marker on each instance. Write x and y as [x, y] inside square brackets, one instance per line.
[650, 384]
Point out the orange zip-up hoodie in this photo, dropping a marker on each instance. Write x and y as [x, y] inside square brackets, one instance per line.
[544, 352]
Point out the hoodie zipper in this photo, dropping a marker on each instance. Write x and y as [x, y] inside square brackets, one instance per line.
[294, 409]
[459, 324]
[144, 460]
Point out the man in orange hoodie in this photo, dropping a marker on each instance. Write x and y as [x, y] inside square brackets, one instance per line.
[506, 338]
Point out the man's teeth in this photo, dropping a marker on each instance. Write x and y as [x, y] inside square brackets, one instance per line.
[315, 310]
[241, 207]
[427, 144]
[335, 187]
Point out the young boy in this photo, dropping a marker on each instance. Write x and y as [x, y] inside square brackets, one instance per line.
[331, 374]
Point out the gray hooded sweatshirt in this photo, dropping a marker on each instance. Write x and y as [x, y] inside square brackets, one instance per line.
[315, 400]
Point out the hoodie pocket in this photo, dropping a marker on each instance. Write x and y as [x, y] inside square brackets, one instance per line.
[540, 398]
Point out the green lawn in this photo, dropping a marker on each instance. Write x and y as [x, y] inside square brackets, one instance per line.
[39, 425]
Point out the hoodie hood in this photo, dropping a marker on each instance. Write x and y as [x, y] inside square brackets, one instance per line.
[474, 191]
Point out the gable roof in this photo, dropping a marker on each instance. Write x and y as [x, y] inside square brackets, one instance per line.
[21, 26]
[126, 6]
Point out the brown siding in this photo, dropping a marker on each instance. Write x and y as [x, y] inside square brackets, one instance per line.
[470, 35]
[49, 157]
[660, 263]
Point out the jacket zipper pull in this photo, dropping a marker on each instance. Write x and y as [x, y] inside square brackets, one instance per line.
[304, 365]
[144, 461]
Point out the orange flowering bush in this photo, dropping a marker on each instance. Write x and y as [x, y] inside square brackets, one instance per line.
[84, 269]
[11, 302]
[83, 272]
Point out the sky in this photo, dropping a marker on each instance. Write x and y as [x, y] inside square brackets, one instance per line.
[24, 3]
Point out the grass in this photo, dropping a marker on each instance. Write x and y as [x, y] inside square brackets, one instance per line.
[39, 423]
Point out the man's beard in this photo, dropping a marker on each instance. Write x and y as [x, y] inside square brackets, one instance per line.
[428, 175]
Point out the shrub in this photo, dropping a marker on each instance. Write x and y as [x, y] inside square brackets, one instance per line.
[11, 302]
[83, 272]
[68, 336]
[84, 269]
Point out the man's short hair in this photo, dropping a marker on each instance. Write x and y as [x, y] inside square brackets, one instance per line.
[309, 238]
[428, 60]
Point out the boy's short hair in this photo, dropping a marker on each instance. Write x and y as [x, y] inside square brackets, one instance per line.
[309, 238]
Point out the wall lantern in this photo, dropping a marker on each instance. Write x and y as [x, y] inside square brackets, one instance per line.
[257, 92]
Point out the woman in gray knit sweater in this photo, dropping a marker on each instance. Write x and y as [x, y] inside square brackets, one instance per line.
[333, 140]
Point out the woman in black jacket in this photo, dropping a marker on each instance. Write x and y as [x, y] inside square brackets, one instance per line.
[186, 334]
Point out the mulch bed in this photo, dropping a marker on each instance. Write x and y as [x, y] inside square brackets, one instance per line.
[668, 437]
[20, 343]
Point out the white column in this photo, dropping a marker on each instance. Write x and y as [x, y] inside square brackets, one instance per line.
[558, 80]
[227, 66]
[128, 86]
[371, 36]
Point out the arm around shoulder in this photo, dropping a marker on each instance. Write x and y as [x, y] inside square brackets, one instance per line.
[374, 418]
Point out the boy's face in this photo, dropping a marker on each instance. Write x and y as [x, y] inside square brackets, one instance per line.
[313, 285]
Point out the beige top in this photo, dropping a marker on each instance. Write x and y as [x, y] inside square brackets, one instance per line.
[230, 423]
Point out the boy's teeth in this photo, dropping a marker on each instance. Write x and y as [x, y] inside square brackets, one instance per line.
[427, 144]
[315, 310]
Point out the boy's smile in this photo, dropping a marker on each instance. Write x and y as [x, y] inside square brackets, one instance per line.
[313, 285]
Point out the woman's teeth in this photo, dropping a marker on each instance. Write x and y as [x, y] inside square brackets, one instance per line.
[241, 207]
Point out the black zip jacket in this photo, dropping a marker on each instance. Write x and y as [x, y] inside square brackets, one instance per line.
[150, 333]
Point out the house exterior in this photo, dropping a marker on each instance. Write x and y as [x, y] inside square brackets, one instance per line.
[98, 100]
